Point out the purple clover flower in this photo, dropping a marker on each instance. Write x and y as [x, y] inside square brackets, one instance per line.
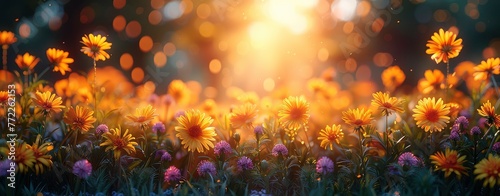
[172, 174]
[244, 164]
[158, 127]
[462, 122]
[324, 166]
[82, 168]
[475, 130]
[101, 129]
[408, 159]
[159, 153]
[222, 148]
[4, 166]
[258, 130]
[454, 135]
[279, 149]
[166, 157]
[206, 168]
[496, 147]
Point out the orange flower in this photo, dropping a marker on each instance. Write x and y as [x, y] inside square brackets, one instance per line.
[484, 70]
[431, 115]
[454, 109]
[357, 117]
[449, 162]
[489, 170]
[179, 91]
[243, 115]
[294, 112]
[26, 61]
[443, 46]
[7, 38]
[94, 47]
[330, 135]
[24, 156]
[143, 116]
[118, 143]
[41, 154]
[59, 59]
[488, 111]
[80, 118]
[48, 102]
[433, 80]
[393, 77]
[4, 96]
[385, 104]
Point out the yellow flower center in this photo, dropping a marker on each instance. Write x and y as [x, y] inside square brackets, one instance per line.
[432, 115]
[194, 131]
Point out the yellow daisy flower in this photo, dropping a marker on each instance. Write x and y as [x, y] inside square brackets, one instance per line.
[27, 61]
[4, 97]
[59, 59]
[449, 162]
[179, 91]
[432, 81]
[330, 135]
[48, 102]
[80, 118]
[484, 70]
[7, 38]
[489, 170]
[94, 46]
[118, 143]
[488, 111]
[41, 155]
[443, 46]
[431, 115]
[294, 112]
[357, 117]
[142, 117]
[195, 132]
[392, 77]
[385, 104]
[24, 156]
[243, 115]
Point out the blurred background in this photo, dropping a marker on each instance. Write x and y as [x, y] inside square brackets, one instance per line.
[255, 45]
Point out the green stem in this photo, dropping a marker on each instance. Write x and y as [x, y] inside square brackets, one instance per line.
[386, 134]
[77, 186]
[95, 92]
[446, 80]
[487, 132]
[491, 143]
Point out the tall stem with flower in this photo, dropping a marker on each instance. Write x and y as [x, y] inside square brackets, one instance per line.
[443, 46]
[7, 38]
[93, 47]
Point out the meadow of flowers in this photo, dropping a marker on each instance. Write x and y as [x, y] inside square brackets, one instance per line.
[82, 135]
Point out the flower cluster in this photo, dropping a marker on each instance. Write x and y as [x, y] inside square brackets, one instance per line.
[329, 140]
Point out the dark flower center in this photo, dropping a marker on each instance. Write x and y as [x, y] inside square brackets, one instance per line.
[79, 122]
[295, 113]
[432, 115]
[119, 143]
[194, 131]
[446, 48]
